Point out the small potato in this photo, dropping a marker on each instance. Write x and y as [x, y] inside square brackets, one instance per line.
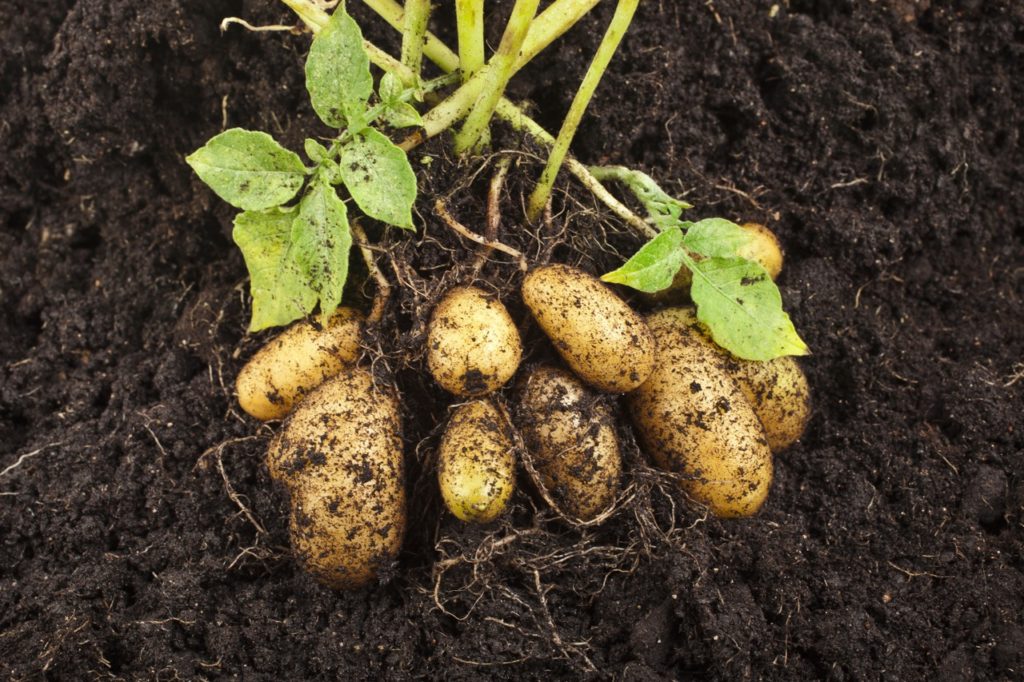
[571, 434]
[340, 456]
[763, 249]
[604, 342]
[780, 395]
[777, 389]
[296, 361]
[476, 462]
[692, 418]
[473, 346]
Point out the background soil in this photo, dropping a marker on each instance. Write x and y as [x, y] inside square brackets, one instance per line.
[881, 141]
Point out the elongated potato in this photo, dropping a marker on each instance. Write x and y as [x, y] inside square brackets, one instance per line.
[604, 342]
[476, 462]
[571, 434]
[764, 249]
[777, 389]
[692, 418]
[296, 361]
[340, 456]
[473, 346]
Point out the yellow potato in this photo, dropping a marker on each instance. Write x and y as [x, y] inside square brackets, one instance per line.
[571, 434]
[296, 361]
[764, 249]
[340, 456]
[476, 462]
[473, 346]
[692, 418]
[780, 395]
[604, 342]
[777, 389]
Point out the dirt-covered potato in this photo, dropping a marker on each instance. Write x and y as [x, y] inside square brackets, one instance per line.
[296, 361]
[476, 462]
[777, 389]
[693, 419]
[764, 249]
[600, 337]
[570, 433]
[473, 346]
[340, 456]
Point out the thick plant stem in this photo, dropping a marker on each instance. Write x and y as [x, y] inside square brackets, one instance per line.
[469, 18]
[612, 37]
[448, 61]
[417, 13]
[496, 77]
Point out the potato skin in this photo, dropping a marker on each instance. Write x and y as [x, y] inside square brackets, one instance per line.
[604, 342]
[570, 432]
[473, 347]
[777, 389]
[295, 362]
[476, 462]
[340, 456]
[692, 418]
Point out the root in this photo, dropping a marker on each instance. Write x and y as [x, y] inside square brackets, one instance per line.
[493, 213]
[218, 452]
[380, 299]
[461, 229]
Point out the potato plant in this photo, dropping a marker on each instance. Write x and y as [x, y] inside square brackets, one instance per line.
[711, 393]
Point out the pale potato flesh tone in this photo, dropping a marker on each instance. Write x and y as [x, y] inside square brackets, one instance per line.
[340, 456]
[777, 389]
[473, 347]
[692, 419]
[296, 361]
[476, 462]
[570, 433]
[600, 337]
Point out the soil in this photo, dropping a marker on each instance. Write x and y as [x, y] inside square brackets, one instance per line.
[880, 140]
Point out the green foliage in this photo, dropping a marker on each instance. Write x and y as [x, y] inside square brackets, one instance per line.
[663, 210]
[736, 300]
[297, 255]
[249, 170]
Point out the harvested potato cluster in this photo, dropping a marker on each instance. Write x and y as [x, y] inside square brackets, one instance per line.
[712, 419]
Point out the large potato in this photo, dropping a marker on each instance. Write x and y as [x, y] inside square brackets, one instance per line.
[777, 389]
[692, 418]
[296, 361]
[340, 456]
[473, 346]
[599, 336]
[571, 434]
[476, 462]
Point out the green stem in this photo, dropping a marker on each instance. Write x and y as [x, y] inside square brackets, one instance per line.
[417, 13]
[547, 30]
[496, 77]
[612, 37]
[469, 17]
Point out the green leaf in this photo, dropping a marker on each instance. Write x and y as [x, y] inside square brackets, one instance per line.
[338, 72]
[401, 115]
[249, 170]
[280, 292]
[742, 308]
[391, 87]
[716, 238]
[316, 152]
[653, 267]
[663, 210]
[378, 176]
[321, 241]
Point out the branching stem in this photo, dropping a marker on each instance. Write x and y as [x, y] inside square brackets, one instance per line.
[469, 18]
[612, 37]
[417, 14]
[496, 77]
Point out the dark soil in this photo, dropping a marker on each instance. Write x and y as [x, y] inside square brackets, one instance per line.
[880, 140]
